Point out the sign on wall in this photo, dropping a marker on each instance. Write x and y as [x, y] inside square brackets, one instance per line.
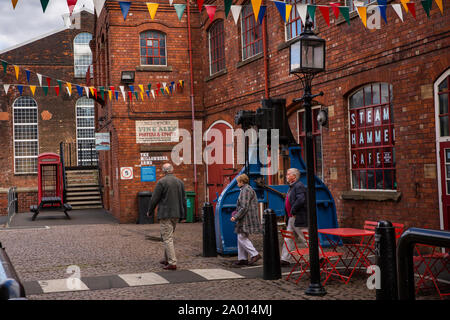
[126, 173]
[148, 174]
[147, 159]
[102, 141]
[157, 131]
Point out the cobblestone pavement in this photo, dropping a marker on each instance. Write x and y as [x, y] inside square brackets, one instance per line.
[112, 249]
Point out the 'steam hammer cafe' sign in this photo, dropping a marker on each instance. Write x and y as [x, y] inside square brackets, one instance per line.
[157, 131]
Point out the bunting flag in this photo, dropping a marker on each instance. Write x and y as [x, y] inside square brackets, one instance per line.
[141, 87]
[59, 84]
[16, 68]
[335, 7]
[28, 72]
[404, 2]
[45, 90]
[71, 4]
[256, 5]
[98, 6]
[39, 78]
[153, 94]
[57, 91]
[439, 4]
[14, 2]
[20, 88]
[117, 95]
[325, 13]
[179, 8]
[131, 88]
[345, 11]
[211, 10]
[281, 6]
[102, 92]
[302, 11]
[362, 12]
[312, 11]
[125, 7]
[44, 4]
[236, 12]
[130, 95]
[152, 7]
[87, 91]
[412, 7]
[80, 90]
[398, 9]
[48, 81]
[170, 2]
[383, 6]
[110, 95]
[33, 89]
[200, 5]
[69, 88]
[69, 91]
[262, 12]
[123, 92]
[5, 65]
[228, 4]
[6, 87]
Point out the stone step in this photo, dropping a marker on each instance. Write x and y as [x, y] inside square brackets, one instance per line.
[71, 198]
[82, 202]
[81, 194]
[83, 207]
[82, 187]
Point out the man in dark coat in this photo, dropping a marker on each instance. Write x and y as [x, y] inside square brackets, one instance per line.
[169, 196]
[295, 206]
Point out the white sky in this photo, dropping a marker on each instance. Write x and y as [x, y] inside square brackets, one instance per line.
[28, 21]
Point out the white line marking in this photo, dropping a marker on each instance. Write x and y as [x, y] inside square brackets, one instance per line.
[216, 274]
[143, 279]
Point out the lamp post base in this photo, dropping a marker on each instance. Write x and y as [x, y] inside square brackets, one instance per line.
[315, 289]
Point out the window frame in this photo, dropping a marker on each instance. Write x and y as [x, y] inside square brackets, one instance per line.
[351, 5]
[294, 14]
[75, 55]
[158, 48]
[36, 124]
[255, 26]
[220, 36]
[447, 114]
[81, 104]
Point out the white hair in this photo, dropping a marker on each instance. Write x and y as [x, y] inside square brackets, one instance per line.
[295, 171]
[167, 168]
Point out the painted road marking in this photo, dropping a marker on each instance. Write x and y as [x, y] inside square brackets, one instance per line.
[216, 274]
[61, 285]
[143, 279]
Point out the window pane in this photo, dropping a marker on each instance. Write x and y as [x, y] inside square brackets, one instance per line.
[356, 100]
[444, 126]
[367, 96]
[443, 86]
[376, 93]
[384, 93]
[443, 103]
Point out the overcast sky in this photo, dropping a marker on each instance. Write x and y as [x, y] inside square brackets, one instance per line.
[28, 21]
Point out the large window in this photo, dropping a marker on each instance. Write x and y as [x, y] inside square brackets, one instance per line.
[86, 132]
[443, 93]
[153, 48]
[294, 25]
[82, 55]
[26, 146]
[317, 139]
[216, 47]
[251, 33]
[372, 138]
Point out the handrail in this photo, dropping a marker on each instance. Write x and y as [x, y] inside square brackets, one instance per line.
[405, 251]
[10, 285]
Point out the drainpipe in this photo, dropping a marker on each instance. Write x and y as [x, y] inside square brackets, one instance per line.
[192, 104]
[266, 67]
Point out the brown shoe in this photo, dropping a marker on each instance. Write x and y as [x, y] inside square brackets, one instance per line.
[170, 267]
[254, 259]
[284, 263]
[240, 263]
[164, 262]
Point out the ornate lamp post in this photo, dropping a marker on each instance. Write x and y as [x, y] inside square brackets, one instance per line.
[307, 58]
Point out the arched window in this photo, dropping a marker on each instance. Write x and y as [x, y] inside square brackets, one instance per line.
[372, 138]
[216, 47]
[82, 55]
[26, 144]
[87, 154]
[251, 33]
[153, 48]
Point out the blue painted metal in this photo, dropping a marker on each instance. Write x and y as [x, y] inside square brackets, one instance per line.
[226, 239]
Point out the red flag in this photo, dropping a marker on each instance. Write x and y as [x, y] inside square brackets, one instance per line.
[48, 81]
[130, 95]
[112, 89]
[71, 4]
[325, 13]
[412, 8]
[335, 7]
[95, 93]
[57, 91]
[200, 5]
[211, 10]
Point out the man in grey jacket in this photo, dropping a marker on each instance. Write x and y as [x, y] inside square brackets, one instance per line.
[169, 196]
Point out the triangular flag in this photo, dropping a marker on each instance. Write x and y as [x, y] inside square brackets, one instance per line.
[57, 91]
[398, 9]
[149, 86]
[48, 81]
[281, 6]
[236, 12]
[179, 8]
[228, 4]
[404, 2]
[167, 90]
[170, 2]
[131, 88]
[211, 10]
[123, 92]
[142, 96]
[426, 4]
[141, 87]
[256, 4]
[91, 89]
[95, 93]
[20, 88]
[117, 95]
[311, 11]
[130, 95]
[152, 7]
[80, 90]
[69, 88]
[362, 12]
[439, 4]
[45, 90]
[44, 4]
[302, 11]
[325, 10]
[98, 5]
[71, 4]
[59, 84]
[125, 7]
[262, 12]
[5, 65]
[17, 69]
[39, 78]
[382, 4]
[345, 11]
[33, 89]
[153, 94]
[148, 93]
[200, 5]
[14, 2]
[412, 7]
[102, 92]
[110, 95]
[335, 7]
[6, 87]
[69, 91]
[288, 11]
[87, 91]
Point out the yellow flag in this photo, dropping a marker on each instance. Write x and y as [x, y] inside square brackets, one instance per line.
[110, 95]
[17, 72]
[69, 86]
[288, 11]
[404, 2]
[362, 11]
[33, 89]
[141, 87]
[256, 4]
[439, 4]
[142, 96]
[152, 7]
[92, 90]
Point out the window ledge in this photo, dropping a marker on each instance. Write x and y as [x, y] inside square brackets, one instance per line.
[215, 75]
[249, 60]
[154, 68]
[372, 195]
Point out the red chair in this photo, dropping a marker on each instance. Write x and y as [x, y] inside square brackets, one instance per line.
[398, 230]
[297, 254]
[326, 255]
[369, 226]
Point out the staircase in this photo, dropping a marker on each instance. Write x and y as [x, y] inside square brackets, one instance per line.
[83, 189]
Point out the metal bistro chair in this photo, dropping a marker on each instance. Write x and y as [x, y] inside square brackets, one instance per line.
[297, 254]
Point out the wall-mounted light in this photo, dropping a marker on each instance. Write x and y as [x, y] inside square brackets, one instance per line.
[127, 76]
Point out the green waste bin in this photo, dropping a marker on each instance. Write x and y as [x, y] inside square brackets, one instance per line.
[190, 203]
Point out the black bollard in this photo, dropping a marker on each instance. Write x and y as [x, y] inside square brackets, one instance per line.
[209, 231]
[271, 254]
[385, 255]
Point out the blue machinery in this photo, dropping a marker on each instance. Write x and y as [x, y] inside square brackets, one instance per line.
[271, 116]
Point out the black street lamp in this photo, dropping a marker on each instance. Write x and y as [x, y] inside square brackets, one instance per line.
[307, 57]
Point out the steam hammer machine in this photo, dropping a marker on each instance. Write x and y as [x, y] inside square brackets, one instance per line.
[272, 115]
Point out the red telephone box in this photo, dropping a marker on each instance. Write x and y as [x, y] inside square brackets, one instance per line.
[50, 184]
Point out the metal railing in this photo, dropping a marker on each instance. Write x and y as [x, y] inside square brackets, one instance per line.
[79, 154]
[12, 204]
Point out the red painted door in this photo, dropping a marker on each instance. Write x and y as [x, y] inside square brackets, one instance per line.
[445, 182]
[222, 173]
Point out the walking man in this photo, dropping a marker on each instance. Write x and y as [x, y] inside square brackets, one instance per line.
[297, 215]
[170, 198]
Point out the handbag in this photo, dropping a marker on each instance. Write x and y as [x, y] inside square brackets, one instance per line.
[234, 213]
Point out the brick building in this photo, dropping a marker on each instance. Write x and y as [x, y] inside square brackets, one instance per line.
[31, 124]
[386, 93]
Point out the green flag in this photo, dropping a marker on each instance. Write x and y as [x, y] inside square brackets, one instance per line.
[179, 8]
[44, 4]
[228, 4]
[149, 87]
[345, 13]
[312, 11]
[45, 90]
[426, 4]
[5, 65]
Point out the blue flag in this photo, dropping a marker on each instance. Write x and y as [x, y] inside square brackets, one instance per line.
[20, 88]
[382, 4]
[125, 7]
[262, 12]
[281, 6]
[131, 88]
[80, 90]
[117, 95]
[28, 75]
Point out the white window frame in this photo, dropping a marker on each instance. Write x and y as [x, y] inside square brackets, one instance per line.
[77, 46]
[36, 124]
[350, 4]
[80, 104]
